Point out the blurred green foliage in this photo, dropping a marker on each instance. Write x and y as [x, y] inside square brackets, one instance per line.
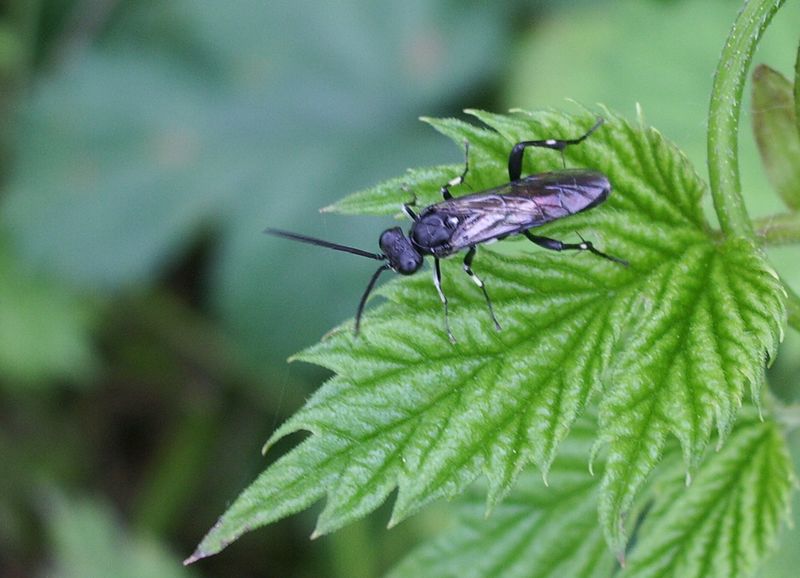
[45, 332]
[196, 120]
[144, 319]
[90, 543]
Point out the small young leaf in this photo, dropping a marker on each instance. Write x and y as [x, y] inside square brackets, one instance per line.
[777, 134]
[728, 518]
[673, 342]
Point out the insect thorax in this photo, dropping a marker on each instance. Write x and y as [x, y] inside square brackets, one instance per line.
[432, 233]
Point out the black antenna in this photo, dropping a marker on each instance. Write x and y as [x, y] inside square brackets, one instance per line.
[328, 244]
[367, 291]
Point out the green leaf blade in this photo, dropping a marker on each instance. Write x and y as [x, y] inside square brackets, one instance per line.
[538, 531]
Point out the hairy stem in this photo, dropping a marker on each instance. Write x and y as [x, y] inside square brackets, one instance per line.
[724, 112]
[781, 229]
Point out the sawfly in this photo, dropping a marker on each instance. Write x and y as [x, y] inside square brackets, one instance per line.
[462, 223]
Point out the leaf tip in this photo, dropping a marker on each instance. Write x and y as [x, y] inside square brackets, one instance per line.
[593, 455]
[640, 114]
[269, 443]
[471, 111]
[196, 555]
[774, 274]
[606, 111]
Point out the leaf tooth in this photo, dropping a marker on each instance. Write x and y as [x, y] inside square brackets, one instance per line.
[505, 463]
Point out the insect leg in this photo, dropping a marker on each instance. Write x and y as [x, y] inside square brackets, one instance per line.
[409, 211]
[468, 269]
[408, 208]
[556, 245]
[515, 158]
[454, 182]
[437, 281]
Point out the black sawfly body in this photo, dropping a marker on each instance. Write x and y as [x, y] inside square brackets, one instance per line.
[462, 223]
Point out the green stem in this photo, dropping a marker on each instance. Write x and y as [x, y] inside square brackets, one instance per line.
[724, 112]
[781, 229]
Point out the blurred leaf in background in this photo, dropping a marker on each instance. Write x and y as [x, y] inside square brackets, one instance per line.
[195, 119]
[44, 331]
[88, 542]
[777, 135]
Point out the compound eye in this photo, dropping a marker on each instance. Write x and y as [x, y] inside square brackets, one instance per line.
[409, 263]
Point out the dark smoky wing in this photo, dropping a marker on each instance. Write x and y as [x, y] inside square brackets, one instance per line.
[523, 204]
[482, 218]
[576, 189]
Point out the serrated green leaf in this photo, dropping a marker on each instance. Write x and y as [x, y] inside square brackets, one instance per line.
[537, 532]
[728, 518]
[777, 135]
[408, 410]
